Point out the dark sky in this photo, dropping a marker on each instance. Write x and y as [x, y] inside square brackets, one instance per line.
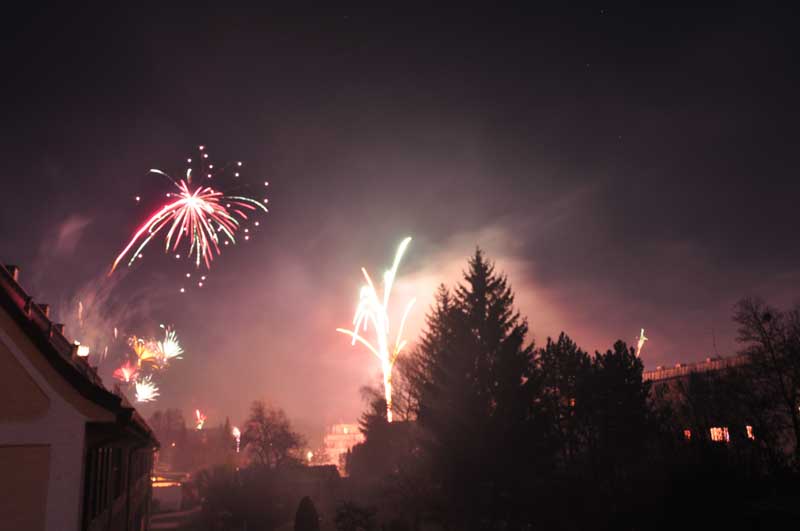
[626, 169]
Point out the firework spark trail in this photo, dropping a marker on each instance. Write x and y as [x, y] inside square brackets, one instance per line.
[146, 390]
[126, 372]
[146, 351]
[193, 214]
[152, 356]
[200, 419]
[374, 309]
[640, 343]
[170, 348]
[237, 434]
[200, 213]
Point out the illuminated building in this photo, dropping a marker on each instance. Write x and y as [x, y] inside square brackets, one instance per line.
[80, 456]
[713, 420]
[339, 440]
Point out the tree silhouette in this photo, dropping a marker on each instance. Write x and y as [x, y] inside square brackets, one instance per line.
[564, 371]
[617, 411]
[476, 391]
[269, 438]
[771, 341]
[306, 518]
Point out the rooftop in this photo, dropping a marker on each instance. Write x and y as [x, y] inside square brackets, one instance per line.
[62, 354]
[684, 369]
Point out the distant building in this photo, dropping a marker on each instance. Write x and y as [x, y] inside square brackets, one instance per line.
[682, 370]
[73, 455]
[338, 441]
[715, 418]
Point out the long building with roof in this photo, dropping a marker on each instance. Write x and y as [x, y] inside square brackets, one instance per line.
[74, 455]
[711, 415]
[682, 370]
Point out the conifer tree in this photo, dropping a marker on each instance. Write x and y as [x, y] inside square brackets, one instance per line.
[476, 391]
[563, 370]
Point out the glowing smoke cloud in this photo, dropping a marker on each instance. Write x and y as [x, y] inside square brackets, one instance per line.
[200, 213]
[146, 390]
[200, 419]
[640, 343]
[372, 308]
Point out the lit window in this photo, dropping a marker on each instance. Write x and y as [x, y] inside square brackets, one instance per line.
[571, 402]
[720, 434]
[750, 433]
[687, 435]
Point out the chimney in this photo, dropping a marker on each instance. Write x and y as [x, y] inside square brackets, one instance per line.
[13, 271]
[45, 309]
[60, 328]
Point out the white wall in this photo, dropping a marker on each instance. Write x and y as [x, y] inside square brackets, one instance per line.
[63, 429]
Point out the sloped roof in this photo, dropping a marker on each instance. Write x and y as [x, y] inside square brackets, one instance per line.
[62, 354]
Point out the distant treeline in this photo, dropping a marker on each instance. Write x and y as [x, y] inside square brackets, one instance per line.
[495, 433]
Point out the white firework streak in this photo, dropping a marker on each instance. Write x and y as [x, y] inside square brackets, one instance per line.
[146, 390]
[373, 309]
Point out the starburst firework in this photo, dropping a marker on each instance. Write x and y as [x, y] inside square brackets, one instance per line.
[146, 390]
[203, 215]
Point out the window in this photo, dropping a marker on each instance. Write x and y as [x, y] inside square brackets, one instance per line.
[96, 487]
[687, 435]
[750, 435]
[720, 434]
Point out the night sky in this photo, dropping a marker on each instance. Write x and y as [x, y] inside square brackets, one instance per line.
[626, 169]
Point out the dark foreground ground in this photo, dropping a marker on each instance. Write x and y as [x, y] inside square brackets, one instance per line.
[183, 520]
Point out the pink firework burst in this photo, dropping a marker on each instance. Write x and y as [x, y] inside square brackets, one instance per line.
[126, 372]
[201, 215]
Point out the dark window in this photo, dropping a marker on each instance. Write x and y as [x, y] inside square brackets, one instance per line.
[104, 480]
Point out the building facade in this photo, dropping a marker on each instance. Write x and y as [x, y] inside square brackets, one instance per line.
[338, 441]
[73, 454]
[702, 397]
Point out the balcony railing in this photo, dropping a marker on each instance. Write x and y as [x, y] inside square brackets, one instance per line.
[679, 370]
